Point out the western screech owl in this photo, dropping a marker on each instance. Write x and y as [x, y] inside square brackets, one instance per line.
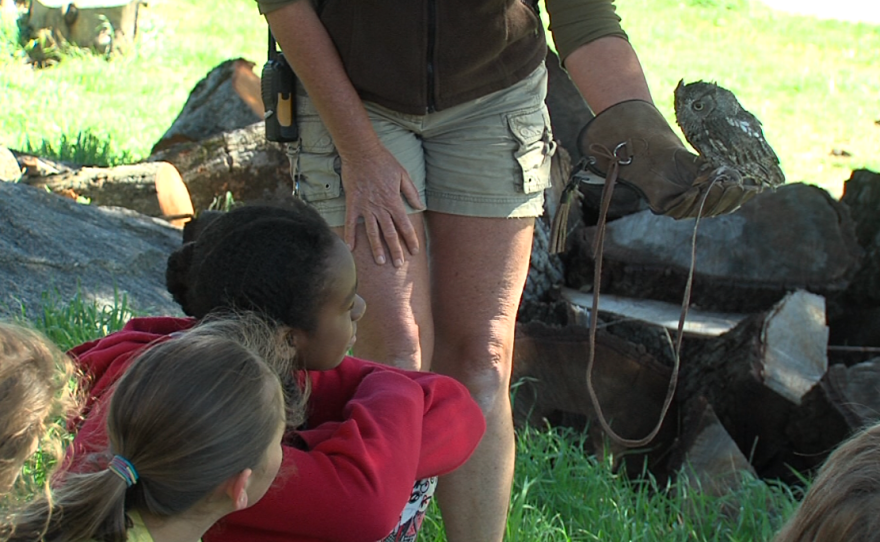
[726, 135]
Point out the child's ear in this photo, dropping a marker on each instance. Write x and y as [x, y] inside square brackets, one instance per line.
[236, 489]
[287, 338]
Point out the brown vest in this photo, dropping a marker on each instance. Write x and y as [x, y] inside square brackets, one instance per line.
[418, 56]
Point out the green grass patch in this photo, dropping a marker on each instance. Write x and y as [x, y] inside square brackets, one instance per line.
[70, 322]
[561, 494]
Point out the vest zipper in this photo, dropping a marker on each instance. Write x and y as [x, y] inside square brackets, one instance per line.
[432, 31]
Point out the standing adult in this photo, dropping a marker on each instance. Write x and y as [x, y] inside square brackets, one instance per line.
[426, 143]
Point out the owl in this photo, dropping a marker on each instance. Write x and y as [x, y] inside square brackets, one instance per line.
[727, 136]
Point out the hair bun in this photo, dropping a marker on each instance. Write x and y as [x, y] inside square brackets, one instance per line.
[177, 275]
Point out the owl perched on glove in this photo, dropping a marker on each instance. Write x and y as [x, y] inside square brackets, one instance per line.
[727, 136]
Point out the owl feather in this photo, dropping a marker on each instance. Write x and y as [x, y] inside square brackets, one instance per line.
[727, 136]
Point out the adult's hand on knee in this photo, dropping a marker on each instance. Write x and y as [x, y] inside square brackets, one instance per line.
[373, 184]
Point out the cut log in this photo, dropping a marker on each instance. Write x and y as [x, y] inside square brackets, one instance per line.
[546, 273]
[52, 249]
[854, 392]
[36, 166]
[755, 376]
[105, 25]
[154, 189]
[241, 162]
[549, 382]
[862, 196]
[658, 313]
[227, 99]
[705, 456]
[10, 169]
[569, 112]
[795, 237]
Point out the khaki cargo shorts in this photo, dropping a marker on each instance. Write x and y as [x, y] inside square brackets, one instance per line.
[489, 157]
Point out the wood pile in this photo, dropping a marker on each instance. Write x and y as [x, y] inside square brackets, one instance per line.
[780, 359]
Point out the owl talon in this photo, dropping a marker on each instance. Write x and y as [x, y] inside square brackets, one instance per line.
[727, 174]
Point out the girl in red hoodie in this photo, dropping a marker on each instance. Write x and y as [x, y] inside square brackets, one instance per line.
[371, 431]
[171, 470]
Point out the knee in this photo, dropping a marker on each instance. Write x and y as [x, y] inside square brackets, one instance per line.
[484, 367]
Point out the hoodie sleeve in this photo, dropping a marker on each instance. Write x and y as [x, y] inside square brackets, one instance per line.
[355, 479]
[452, 426]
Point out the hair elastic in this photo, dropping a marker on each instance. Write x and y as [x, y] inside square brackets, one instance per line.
[123, 468]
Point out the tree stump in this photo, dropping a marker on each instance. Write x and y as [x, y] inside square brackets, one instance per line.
[154, 188]
[105, 25]
[228, 98]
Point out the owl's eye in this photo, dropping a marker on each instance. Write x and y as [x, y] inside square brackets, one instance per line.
[698, 106]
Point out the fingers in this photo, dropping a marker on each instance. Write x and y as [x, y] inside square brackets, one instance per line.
[384, 232]
[404, 224]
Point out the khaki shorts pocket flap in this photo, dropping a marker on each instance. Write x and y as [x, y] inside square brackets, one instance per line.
[536, 147]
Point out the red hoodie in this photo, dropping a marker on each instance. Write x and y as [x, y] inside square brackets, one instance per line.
[374, 431]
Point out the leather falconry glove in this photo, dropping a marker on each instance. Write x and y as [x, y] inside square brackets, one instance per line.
[630, 143]
[655, 163]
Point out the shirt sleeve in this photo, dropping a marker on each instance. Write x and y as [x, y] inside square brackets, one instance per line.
[352, 484]
[268, 6]
[578, 22]
[452, 426]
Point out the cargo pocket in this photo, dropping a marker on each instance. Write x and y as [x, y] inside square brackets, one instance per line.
[536, 147]
[319, 164]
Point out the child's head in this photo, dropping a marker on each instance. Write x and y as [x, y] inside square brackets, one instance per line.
[194, 426]
[34, 391]
[283, 262]
[843, 502]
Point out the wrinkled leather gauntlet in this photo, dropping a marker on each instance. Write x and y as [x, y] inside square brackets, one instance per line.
[655, 163]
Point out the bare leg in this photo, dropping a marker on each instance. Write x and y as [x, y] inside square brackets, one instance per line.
[479, 268]
[396, 328]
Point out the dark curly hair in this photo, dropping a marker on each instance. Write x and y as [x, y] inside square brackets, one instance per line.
[266, 258]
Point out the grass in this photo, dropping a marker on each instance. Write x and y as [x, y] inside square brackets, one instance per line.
[560, 494]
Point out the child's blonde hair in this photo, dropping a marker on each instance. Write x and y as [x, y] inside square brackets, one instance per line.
[187, 414]
[35, 394]
[843, 502]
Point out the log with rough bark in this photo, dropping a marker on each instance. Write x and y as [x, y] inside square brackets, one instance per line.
[705, 456]
[549, 385]
[10, 169]
[227, 99]
[756, 375]
[154, 189]
[699, 323]
[105, 25]
[862, 196]
[569, 113]
[795, 237]
[545, 270]
[855, 392]
[241, 162]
